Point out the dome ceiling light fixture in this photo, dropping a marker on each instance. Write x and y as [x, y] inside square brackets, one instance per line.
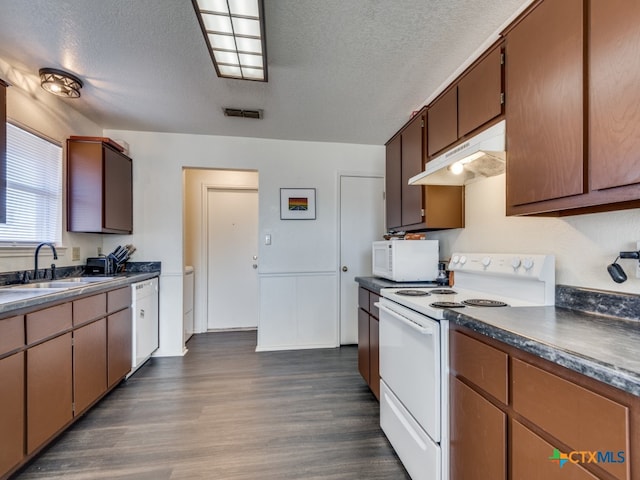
[234, 31]
[60, 83]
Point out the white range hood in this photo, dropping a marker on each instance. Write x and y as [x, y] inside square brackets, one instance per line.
[479, 157]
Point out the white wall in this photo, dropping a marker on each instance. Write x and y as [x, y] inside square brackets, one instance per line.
[297, 246]
[30, 106]
[583, 244]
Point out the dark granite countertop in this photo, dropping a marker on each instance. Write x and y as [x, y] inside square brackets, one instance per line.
[47, 296]
[375, 284]
[598, 346]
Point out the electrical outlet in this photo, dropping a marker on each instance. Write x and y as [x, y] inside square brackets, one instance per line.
[99, 251]
[75, 254]
[638, 262]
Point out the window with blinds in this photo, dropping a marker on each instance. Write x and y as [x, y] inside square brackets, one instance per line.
[34, 189]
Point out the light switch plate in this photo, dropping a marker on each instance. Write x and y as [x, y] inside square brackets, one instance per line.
[75, 254]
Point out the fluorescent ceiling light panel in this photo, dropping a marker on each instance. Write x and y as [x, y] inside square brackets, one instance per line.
[234, 33]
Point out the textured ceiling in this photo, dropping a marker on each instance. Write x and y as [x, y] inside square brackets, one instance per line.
[339, 70]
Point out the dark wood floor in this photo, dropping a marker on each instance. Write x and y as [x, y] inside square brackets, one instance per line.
[226, 412]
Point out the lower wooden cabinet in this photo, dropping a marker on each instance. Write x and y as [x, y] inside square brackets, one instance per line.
[478, 436]
[516, 416]
[55, 363]
[49, 390]
[374, 355]
[369, 339]
[527, 450]
[11, 411]
[89, 364]
[364, 345]
[118, 346]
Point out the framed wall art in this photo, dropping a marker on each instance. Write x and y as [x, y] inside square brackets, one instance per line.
[297, 204]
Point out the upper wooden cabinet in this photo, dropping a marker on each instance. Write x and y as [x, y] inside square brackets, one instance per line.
[443, 121]
[614, 96]
[413, 148]
[99, 187]
[480, 92]
[544, 109]
[472, 101]
[414, 207]
[573, 122]
[393, 182]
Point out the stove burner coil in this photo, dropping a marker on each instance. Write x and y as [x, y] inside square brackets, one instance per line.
[412, 293]
[447, 305]
[443, 291]
[483, 302]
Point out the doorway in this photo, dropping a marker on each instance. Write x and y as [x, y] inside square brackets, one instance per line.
[232, 249]
[361, 222]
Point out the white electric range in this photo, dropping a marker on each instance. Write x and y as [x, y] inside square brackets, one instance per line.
[414, 347]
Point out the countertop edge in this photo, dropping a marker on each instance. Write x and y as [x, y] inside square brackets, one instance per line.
[9, 308]
[590, 367]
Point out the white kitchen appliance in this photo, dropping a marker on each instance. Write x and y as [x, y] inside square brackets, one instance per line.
[405, 260]
[145, 328]
[414, 348]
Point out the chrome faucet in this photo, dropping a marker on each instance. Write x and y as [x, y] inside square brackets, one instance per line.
[55, 257]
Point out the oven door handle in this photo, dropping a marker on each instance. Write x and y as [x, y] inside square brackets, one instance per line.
[406, 321]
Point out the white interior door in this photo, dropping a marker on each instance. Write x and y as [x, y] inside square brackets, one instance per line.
[232, 248]
[361, 222]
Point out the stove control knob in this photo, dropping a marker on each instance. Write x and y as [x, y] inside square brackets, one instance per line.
[463, 260]
[486, 261]
[515, 263]
[455, 259]
[527, 263]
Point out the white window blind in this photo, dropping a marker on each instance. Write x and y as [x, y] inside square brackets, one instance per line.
[34, 189]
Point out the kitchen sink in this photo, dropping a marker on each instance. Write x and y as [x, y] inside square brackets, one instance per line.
[40, 286]
[62, 283]
[13, 294]
[83, 280]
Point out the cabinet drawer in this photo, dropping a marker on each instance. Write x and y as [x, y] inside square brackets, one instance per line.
[118, 299]
[481, 364]
[373, 310]
[11, 334]
[48, 322]
[89, 308]
[363, 298]
[583, 420]
[530, 458]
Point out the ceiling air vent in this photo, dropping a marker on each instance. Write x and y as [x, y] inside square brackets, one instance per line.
[237, 112]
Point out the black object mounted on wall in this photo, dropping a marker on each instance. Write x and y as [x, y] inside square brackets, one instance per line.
[615, 270]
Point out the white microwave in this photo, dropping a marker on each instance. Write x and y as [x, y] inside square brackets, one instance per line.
[406, 260]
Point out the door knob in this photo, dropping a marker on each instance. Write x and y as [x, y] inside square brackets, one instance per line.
[344, 268]
[255, 265]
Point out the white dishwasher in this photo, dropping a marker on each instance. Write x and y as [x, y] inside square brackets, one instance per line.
[145, 331]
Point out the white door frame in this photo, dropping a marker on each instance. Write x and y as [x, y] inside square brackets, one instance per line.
[339, 176]
[204, 242]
